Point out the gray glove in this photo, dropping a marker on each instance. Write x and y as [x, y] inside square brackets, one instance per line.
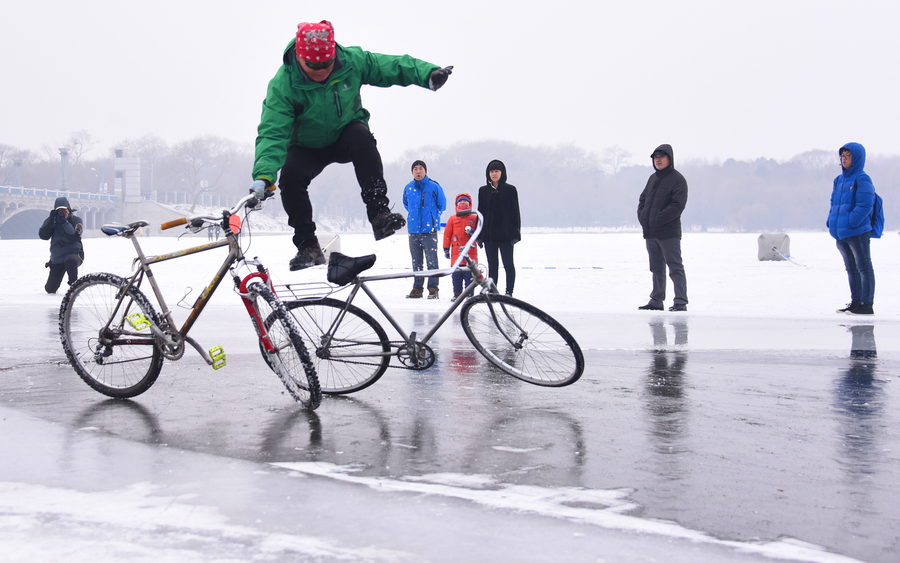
[439, 77]
[258, 188]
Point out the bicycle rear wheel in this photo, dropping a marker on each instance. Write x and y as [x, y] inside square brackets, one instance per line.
[114, 355]
[522, 340]
[290, 360]
[356, 356]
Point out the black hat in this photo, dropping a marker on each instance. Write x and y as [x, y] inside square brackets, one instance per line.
[418, 163]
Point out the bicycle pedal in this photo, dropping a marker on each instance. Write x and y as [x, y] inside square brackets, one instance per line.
[138, 321]
[217, 353]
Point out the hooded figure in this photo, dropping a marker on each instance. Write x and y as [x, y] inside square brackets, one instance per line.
[460, 228]
[63, 229]
[852, 197]
[659, 213]
[663, 199]
[849, 222]
[498, 202]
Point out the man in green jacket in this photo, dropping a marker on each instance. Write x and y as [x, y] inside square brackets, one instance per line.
[313, 116]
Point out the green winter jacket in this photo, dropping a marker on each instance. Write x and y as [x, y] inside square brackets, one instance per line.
[300, 112]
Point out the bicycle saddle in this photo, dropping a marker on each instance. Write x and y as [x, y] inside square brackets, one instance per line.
[344, 269]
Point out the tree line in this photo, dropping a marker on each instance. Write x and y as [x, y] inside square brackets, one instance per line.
[559, 187]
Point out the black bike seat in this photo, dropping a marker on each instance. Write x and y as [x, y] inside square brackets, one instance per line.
[344, 269]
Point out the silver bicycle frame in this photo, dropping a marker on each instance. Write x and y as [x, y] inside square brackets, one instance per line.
[360, 283]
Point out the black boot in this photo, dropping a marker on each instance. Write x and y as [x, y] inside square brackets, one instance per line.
[308, 255]
[385, 223]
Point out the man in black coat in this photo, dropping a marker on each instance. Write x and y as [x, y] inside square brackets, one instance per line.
[63, 229]
[659, 212]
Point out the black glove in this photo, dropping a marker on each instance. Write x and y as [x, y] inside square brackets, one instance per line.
[439, 77]
[61, 218]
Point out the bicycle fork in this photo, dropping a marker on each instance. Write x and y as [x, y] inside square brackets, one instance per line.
[258, 323]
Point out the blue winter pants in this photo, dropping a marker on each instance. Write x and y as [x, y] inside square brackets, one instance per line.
[858, 262]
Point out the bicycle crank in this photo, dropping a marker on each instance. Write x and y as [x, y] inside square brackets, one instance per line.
[417, 356]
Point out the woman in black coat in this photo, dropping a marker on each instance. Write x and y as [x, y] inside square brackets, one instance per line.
[498, 201]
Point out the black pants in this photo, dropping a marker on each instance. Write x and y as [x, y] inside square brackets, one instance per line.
[666, 252]
[57, 271]
[506, 253]
[355, 144]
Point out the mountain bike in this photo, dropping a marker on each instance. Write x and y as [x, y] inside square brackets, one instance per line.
[351, 350]
[117, 341]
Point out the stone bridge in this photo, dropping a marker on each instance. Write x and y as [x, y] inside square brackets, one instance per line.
[93, 208]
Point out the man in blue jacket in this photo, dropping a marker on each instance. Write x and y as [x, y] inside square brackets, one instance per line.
[850, 223]
[424, 200]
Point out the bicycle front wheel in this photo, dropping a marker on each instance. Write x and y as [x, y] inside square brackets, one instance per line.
[522, 340]
[356, 355]
[289, 359]
[108, 340]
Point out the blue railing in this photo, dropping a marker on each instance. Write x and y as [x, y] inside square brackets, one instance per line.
[44, 192]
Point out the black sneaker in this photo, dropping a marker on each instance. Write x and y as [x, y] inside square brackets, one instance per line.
[849, 306]
[651, 307]
[861, 309]
[386, 223]
[677, 307]
[307, 256]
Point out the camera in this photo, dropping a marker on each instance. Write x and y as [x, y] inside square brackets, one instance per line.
[61, 211]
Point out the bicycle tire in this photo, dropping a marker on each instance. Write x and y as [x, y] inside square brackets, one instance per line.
[358, 334]
[545, 354]
[130, 362]
[290, 361]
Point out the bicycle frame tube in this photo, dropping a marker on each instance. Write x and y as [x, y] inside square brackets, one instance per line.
[234, 254]
[360, 283]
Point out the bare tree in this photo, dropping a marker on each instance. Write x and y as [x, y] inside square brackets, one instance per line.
[79, 143]
[615, 157]
[817, 160]
[203, 162]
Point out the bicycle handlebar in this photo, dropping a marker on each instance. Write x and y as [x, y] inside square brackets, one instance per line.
[175, 223]
[248, 200]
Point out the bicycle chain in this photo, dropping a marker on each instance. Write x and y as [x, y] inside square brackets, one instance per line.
[390, 365]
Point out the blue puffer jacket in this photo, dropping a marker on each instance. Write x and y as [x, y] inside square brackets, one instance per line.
[851, 208]
[425, 201]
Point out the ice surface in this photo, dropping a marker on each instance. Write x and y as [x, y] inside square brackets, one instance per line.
[592, 282]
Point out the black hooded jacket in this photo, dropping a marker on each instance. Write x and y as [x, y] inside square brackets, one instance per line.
[65, 237]
[500, 207]
[662, 201]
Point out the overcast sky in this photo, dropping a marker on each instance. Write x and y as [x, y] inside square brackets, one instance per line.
[716, 79]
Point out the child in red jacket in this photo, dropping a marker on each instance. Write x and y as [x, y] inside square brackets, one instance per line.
[459, 229]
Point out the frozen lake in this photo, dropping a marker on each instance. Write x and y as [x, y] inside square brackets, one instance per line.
[741, 430]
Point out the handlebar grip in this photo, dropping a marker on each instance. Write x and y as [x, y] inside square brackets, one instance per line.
[175, 223]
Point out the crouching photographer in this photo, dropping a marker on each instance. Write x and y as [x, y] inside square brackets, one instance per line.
[63, 229]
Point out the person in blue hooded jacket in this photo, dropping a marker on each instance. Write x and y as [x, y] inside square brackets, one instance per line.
[424, 200]
[849, 222]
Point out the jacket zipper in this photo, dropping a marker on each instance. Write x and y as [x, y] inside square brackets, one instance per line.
[337, 103]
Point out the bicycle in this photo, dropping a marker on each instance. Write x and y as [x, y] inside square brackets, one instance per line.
[117, 341]
[352, 351]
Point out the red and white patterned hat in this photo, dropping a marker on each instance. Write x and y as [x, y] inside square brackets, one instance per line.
[315, 41]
